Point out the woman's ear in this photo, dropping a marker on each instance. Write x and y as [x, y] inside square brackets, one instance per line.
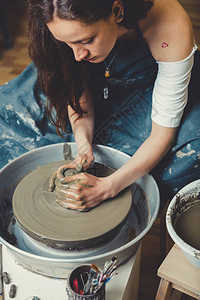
[118, 11]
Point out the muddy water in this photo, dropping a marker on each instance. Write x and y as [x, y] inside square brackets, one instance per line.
[188, 226]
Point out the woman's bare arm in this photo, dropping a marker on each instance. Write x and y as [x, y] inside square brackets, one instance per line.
[146, 157]
[83, 128]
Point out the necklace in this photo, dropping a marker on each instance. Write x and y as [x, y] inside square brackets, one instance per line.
[107, 70]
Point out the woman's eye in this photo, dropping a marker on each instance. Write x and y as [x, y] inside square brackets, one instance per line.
[88, 42]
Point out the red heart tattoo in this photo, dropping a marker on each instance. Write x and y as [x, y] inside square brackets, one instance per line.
[164, 45]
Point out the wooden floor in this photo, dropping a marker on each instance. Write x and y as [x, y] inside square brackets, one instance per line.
[14, 61]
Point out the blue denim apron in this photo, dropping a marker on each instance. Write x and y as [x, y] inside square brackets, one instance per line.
[123, 121]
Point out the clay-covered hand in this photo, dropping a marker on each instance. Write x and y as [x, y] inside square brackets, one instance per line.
[64, 171]
[82, 162]
[84, 156]
[86, 191]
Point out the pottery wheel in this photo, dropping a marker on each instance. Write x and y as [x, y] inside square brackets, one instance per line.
[38, 214]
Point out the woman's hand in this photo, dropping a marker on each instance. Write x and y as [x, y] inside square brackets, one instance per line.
[80, 191]
[84, 160]
[87, 191]
[84, 156]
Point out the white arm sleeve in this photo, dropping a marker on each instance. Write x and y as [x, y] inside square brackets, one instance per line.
[171, 90]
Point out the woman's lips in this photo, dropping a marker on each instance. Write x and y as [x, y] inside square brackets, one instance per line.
[91, 59]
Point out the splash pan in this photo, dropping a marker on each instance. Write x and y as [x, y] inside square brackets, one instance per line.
[54, 262]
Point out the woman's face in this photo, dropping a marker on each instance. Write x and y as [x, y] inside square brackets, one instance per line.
[91, 42]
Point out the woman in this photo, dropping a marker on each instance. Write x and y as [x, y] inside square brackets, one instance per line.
[119, 70]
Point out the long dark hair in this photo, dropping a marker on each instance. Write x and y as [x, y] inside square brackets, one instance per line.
[60, 77]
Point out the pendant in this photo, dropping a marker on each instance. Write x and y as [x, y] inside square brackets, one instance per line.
[105, 93]
[107, 73]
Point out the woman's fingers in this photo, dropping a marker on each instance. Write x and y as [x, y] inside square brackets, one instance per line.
[73, 197]
[80, 191]
[84, 194]
[69, 203]
[85, 157]
[70, 194]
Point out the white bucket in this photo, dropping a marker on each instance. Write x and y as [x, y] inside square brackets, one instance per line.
[183, 200]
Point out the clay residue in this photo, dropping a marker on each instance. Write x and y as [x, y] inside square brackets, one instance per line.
[181, 154]
[52, 224]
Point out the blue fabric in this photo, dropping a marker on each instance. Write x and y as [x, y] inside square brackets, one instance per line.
[23, 122]
[182, 165]
[123, 121]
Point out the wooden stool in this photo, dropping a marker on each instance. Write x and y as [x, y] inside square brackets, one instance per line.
[178, 273]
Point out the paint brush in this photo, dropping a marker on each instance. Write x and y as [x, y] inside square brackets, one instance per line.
[93, 272]
[111, 265]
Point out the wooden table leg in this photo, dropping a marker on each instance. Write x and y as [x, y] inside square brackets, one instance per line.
[164, 290]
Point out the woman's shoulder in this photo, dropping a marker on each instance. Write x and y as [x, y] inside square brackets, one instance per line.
[168, 31]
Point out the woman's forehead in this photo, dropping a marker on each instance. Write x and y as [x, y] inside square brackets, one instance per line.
[73, 31]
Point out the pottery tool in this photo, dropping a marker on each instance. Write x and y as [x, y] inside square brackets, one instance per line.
[98, 278]
[90, 282]
[75, 285]
[12, 292]
[1, 274]
[6, 279]
[107, 273]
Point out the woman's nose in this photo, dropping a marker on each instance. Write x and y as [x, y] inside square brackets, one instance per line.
[80, 53]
